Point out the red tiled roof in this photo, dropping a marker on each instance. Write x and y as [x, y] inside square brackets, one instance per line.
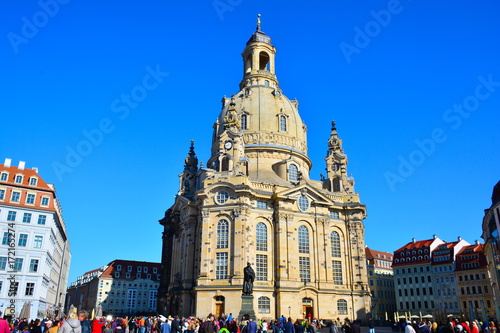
[472, 254]
[416, 245]
[374, 254]
[112, 267]
[27, 173]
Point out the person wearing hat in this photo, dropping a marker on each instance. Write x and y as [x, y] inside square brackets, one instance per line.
[409, 328]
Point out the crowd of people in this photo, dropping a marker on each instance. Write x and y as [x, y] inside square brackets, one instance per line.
[80, 323]
[450, 326]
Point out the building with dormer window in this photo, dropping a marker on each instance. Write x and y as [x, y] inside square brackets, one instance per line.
[445, 284]
[415, 292]
[35, 251]
[474, 283]
[254, 202]
[120, 288]
[381, 281]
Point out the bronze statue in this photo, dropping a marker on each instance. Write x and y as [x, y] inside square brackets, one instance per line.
[249, 277]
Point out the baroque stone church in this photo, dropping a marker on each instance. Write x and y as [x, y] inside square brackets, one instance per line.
[254, 203]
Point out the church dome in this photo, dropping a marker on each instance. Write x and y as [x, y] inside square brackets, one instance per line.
[267, 119]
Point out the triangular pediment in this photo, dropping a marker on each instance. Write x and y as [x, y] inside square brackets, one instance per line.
[305, 189]
[179, 203]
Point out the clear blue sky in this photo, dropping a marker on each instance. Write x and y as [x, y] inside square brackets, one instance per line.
[413, 85]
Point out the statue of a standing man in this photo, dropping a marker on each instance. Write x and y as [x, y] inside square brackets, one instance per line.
[249, 277]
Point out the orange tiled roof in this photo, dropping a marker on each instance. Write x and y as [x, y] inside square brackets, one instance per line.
[27, 173]
[374, 254]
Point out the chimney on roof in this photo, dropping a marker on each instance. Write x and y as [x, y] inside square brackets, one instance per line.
[459, 238]
[477, 242]
[35, 169]
[21, 165]
[7, 162]
[413, 240]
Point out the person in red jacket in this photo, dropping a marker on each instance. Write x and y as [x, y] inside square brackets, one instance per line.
[4, 325]
[98, 325]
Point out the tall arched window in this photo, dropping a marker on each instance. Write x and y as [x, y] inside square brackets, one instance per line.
[293, 173]
[263, 61]
[225, 164]
[303, 239]
[223, 234]
[244, 122]
[336, 184]
[261, 235]
[282, 123]
[335, 239]
[342, 307]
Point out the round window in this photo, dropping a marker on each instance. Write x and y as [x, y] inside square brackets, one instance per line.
[303, 203]
[222, 197]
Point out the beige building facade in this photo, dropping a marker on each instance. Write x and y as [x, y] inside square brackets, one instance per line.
[254, 202]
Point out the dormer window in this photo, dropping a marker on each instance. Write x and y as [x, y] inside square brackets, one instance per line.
[19, 179]
[4, 176]
[33, 181]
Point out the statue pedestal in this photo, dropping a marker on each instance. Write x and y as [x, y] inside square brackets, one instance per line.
[246, 308]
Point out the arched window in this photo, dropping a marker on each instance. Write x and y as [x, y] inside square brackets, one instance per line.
[282, 123]
[19, 179]
[263, 61]
[293, 173]
[342, 307]
[225, 164]
[303, 239]
[264, 304]
[223, 234]
[4, 176]
[244, 120]
[261, 235]
[335, 239]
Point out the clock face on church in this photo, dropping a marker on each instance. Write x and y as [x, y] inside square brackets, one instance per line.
[228, 145]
